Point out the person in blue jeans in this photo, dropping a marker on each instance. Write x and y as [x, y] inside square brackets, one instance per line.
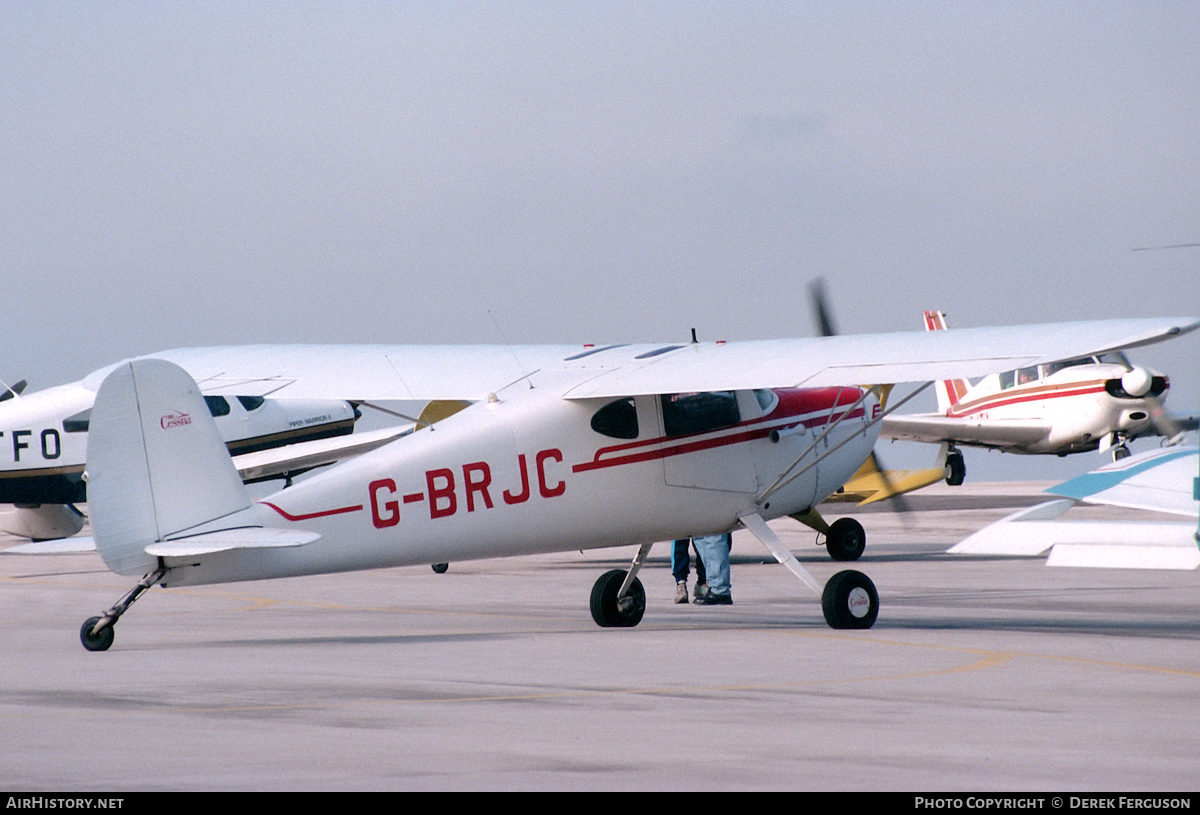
[714, 552]
[680, 562]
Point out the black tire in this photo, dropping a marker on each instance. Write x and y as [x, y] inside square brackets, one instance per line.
[956, 469]
[605, 610]
[99, 641]
[847, 540]
[440, 568]
[850, 600]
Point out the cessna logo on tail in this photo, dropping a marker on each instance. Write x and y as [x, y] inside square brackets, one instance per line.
[174, 420]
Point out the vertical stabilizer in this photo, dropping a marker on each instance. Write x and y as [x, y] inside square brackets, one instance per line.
[156, 463]
[949, 391]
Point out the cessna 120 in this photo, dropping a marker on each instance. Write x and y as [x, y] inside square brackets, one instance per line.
[1095, 401]
[562, 448]
[43, 440]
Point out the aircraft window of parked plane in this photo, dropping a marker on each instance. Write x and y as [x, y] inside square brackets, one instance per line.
[251, 402]
[1027, 375]
[1055, 367]
[617, 419]
[1008, 379]
[767, 400]
[217, 405]
[687, 413]
[77, 423]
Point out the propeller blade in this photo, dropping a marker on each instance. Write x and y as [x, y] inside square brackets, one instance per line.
[816, 293]
[15, 390]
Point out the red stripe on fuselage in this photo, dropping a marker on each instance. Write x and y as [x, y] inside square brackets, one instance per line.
[1037, 394]
[793, 404]
[311, 515]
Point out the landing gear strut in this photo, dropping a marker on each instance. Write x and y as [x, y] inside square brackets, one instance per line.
[97, 633]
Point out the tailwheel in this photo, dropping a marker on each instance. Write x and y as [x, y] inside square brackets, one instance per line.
[850, 600]
[846, 539]
[609, 608]
[97, 633]
[97, 639]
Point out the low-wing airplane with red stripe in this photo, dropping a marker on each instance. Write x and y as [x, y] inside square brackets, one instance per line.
[1095, 401]
[561, 448]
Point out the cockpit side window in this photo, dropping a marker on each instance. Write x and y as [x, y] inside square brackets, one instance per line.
[687, 413]
[78, 423]
[1027, 375]
[767, 400]
[217, 405]
[617, 419]
[1008, 379]
[1055, 367]
[251, 402]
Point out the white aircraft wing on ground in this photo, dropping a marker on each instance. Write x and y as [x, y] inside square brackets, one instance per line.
[1163, 481]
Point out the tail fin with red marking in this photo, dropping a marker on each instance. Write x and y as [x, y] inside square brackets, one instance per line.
[949, 391]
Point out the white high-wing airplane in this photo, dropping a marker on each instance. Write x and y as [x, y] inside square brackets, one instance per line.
[1164, 481]
[562, 448]
[43, 441]
[1095, 401]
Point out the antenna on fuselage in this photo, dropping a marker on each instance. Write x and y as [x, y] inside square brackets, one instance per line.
[511, 350]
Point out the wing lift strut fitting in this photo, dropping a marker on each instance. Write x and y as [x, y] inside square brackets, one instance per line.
[788, 476]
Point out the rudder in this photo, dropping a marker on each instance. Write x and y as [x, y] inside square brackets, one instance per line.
[156, 463]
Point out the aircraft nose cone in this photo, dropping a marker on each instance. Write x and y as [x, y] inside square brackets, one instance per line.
[1137, 382]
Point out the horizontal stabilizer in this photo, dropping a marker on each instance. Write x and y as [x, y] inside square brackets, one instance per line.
[59, 546]
[226, 539]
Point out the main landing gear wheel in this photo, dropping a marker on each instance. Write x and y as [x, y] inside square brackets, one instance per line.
[96, 640]
[440, 568]
[956, 468]
[846, 539]
[850, 600]
[608, 611]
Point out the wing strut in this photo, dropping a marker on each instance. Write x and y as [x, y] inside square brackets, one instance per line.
[767, 537]
[638, 560]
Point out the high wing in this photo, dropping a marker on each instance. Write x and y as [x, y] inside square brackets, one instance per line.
[1158, 481]
[935, 428]
[407, 372]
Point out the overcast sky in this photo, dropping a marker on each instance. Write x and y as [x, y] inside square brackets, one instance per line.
[177, 174]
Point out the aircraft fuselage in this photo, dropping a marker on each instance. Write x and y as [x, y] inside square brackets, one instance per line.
[535, 474]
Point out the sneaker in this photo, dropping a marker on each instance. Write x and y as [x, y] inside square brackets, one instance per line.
[700, 590]
[681, 592]
[713, 599]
